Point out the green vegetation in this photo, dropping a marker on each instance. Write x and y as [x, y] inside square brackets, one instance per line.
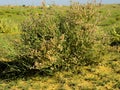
[60, 47]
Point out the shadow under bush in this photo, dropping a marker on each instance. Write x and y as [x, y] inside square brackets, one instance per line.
[16, 69]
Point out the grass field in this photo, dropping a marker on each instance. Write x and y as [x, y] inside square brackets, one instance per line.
[103, 76]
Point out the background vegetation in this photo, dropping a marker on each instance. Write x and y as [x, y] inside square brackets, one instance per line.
[60, 47]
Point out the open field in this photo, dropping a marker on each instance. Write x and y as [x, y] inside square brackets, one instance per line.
[100, 68]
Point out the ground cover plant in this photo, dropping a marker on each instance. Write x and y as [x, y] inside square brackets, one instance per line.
[60, 47]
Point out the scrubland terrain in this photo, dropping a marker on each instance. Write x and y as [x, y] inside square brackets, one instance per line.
[74, 47]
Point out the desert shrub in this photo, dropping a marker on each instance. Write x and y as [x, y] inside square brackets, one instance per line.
[64, 40]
